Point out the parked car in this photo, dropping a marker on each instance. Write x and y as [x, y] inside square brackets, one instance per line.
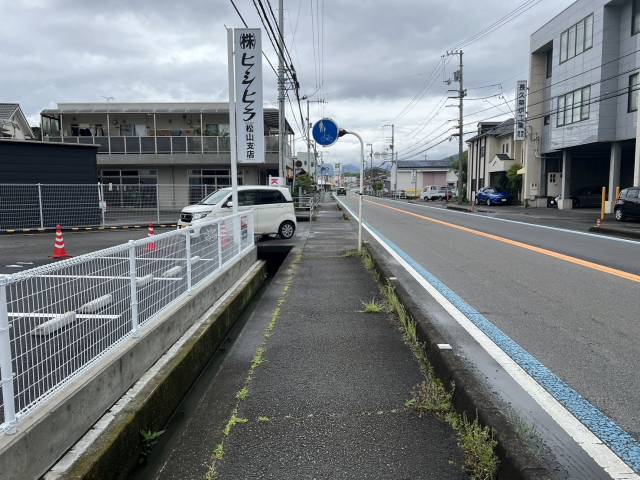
[584, 197]
[628, 205]
[272, 206]
[493, 196]
[433, 192]
[341, 191]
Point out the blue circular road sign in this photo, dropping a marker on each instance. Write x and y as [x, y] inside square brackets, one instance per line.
[326, 132]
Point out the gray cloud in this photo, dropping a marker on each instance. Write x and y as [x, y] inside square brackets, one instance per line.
[377, 55]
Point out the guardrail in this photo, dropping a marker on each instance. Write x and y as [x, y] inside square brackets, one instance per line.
[140, 145]
[306, 203]
[59, 319]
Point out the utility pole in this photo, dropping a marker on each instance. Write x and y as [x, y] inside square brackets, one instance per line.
[459, 77]
[370, 165]
[393, 158]
[281, 118]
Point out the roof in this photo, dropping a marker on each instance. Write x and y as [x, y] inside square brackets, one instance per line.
[503, 128]
[38, 142]
[7, 110]
[425, 164]
[270, 114]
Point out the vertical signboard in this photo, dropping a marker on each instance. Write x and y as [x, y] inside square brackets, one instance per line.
[521, 111]
[248, 95]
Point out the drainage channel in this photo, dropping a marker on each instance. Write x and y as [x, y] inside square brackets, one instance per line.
[185, 446]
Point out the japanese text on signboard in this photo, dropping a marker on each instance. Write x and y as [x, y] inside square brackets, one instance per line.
[521, 110]
[248, 90]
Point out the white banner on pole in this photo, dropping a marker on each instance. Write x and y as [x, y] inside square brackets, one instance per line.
[248, 93]
[521, 110]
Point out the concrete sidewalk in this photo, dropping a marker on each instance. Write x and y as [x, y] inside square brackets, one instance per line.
[323, 393]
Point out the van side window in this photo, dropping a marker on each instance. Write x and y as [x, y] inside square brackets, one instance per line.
[247, 198]
[271, 196]
[632, 193]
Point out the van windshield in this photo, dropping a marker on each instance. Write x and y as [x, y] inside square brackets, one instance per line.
[214, 198]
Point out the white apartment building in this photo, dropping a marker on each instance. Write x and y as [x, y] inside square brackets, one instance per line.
[583, 101]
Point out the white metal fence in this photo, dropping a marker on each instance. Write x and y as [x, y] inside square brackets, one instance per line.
[58, 319]
[33, 206]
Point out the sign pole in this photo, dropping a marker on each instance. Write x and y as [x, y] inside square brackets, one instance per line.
[233, 139]
[232, 123]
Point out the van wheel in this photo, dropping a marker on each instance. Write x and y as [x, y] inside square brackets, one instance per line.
[620, 215]
[286, 230]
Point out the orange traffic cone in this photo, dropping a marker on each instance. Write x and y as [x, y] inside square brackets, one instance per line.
[59, 252]
[598, 222]
[151, 246]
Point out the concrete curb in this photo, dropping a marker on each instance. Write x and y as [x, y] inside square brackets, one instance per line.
[458, 208]
[617, 232]
[115, 450]
[18, 231]
[471, 395]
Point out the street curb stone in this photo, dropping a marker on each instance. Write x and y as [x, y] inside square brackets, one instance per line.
[471, 396]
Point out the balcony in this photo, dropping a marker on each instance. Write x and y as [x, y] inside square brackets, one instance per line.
[163, 145]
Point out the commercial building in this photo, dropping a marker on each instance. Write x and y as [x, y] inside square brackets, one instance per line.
[163, 143]
[492, 152]
[583, 101]
[414, 175]
[13, 123]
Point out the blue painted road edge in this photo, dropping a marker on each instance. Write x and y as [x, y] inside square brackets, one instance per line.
[618, 440]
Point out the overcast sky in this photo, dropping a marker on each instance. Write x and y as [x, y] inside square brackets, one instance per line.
[373, 59]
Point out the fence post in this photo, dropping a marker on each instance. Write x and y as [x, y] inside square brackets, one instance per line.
[40, 204]
[5, 365]
[218, 229]
[187, 248]
[252, 228]
[133, 281]
[101, 200]
[158, 203]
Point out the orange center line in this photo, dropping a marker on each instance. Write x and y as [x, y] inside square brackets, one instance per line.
[525, 246]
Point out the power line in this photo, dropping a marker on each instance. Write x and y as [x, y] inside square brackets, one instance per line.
[512, 15]
[247, 26]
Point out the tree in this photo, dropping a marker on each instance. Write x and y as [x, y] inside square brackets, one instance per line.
[305, 182]
[455, 164]
[514, 181]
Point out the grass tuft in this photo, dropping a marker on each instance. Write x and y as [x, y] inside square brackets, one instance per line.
[242, 394]
[372, 306]
[218, 452]
[233, 421]
[263, 419]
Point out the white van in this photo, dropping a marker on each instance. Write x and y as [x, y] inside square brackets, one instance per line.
[272, 206]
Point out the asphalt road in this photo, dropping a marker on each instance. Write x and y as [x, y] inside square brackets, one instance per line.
[22, 251]
[578, 319]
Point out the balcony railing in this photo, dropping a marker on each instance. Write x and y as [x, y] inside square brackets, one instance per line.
[162, 145]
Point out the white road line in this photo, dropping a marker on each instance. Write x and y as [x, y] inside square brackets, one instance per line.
[592, 445]
[517, 222]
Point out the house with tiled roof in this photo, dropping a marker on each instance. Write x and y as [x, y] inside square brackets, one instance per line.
[492, 152]
[13, 123]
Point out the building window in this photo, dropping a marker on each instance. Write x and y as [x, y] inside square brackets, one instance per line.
[547, 119]
[549, 62]
[634, 92]
[573, 106]
[481, 152]
[205, 182]
[577, 39]
[635, 17]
